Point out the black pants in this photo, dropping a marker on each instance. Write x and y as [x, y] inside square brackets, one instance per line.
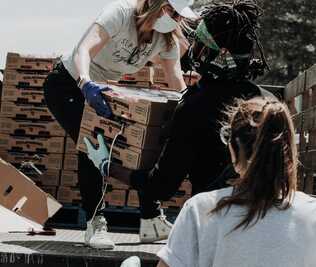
[65, 100]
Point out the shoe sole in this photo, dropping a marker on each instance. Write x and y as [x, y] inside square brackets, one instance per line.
[101, 247]
[151, 240]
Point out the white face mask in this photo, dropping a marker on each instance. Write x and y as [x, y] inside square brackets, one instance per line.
[165, 24]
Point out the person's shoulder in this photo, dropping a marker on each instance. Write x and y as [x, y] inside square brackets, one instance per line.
[301, 199]
[124, 5]
[208, 200]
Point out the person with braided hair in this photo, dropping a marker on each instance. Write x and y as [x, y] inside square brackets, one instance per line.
[261, 220]
[222, 52]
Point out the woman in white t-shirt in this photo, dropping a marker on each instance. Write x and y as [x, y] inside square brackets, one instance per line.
[261, 220]
[124, 37]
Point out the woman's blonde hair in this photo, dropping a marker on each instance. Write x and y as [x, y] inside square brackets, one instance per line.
[262, 129]
[146, 15]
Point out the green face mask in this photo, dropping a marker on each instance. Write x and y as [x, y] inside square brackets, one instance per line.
[205, 37]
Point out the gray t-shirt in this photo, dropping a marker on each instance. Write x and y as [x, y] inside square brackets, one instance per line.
[120, 56]
[281, 239]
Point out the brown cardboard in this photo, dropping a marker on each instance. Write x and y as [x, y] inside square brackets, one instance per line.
[150, 107]
[186, 187]
[175, 202]
[18, 78]
[19, 127]
[134, 134]
[49, 177]
[116, 184]
[115, 198]
[27, 112]
[20, 194]
[133, 200]
[42, 161]
[129, 156]
[66, 194]
[52, 190]
[159, 75]
[70, 162]
[13, 94]
[311, 77]
[70, 147]
[69, 178]
[32, 144]
[17, 61]
[145, 75]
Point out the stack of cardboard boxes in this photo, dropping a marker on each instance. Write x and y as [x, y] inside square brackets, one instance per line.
[29, 134]
[150, 76]
[300, 95]
[142, 115]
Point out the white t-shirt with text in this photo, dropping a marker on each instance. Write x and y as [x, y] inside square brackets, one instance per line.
[281, 239]
[119, 56]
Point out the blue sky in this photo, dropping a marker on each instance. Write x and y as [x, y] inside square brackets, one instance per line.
[44, 27]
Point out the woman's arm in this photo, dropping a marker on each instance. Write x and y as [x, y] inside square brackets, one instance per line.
[90, 44]
[173, 73]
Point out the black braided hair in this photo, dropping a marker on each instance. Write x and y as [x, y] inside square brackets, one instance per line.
[234, 26]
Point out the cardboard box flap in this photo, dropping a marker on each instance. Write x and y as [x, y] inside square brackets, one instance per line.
[19, 194]
[52, 205]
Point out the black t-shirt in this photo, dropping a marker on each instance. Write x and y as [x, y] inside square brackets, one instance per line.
[194, 149]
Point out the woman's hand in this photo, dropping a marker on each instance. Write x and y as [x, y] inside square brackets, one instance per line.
[99, 156]
[93, 94]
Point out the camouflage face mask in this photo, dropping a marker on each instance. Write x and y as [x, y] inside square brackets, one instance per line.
[205, 37]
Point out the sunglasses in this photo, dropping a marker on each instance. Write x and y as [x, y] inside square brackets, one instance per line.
[225, 134]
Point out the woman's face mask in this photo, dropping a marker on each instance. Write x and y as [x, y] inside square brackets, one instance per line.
[165, 24]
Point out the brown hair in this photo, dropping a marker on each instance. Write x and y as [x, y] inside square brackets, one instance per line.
[146, 15]
[262, 129]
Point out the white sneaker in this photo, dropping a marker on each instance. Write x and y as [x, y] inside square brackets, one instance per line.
[155, 229]
[133, 261]
[96, 235]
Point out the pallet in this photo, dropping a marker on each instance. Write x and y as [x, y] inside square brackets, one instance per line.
[68, 217]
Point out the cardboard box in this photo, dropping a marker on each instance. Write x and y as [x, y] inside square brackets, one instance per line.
[311, 77]
[133, 200]
[25, 112]
[22, 95]
[20, 194]
[69, 178]
[116, 198]
[70, 147]
[175, 202]
[145, 74]
[135, 134]
[47, 178]
[116, 184]
[52, 190]
[128, 156]
[21, 127]
[186, 187]
[32, 144]
[66, 194]
[159, 75]
[17, 61]
[150, 107]
[23, 79]
[41, 161]
[70, 162]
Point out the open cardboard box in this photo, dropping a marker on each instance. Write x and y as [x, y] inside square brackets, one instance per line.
[19, 194]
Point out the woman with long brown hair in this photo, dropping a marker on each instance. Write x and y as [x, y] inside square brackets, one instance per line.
[261, 220]
[124, 37]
